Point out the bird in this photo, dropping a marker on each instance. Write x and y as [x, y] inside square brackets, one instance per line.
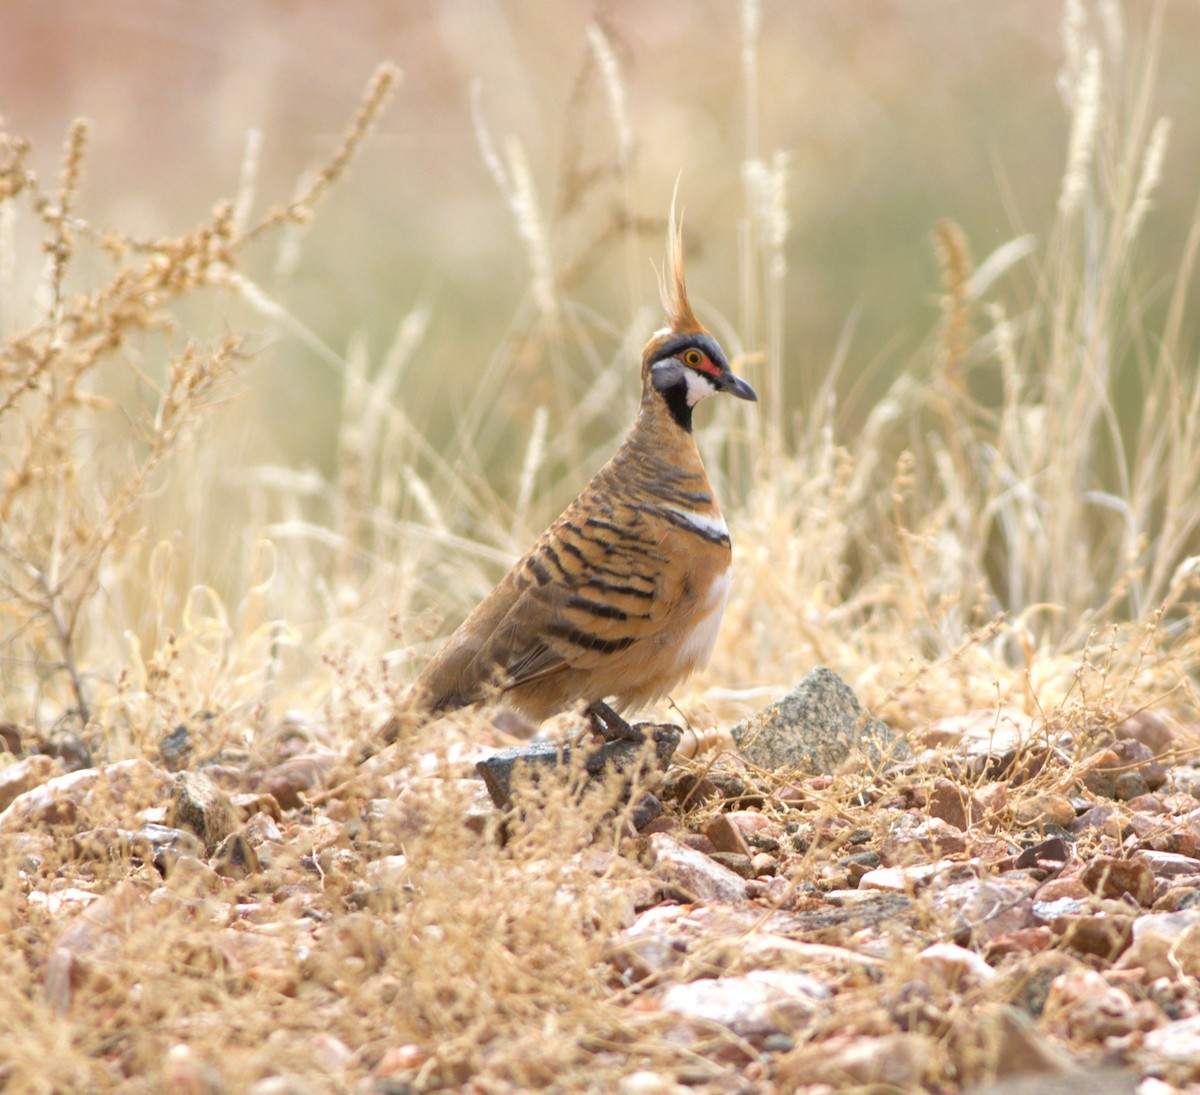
[620, 599]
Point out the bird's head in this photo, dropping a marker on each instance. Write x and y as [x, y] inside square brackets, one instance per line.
[682, 363]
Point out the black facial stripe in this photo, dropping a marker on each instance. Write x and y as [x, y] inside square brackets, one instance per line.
[677, 404]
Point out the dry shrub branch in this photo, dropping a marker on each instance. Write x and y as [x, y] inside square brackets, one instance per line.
[66, 500]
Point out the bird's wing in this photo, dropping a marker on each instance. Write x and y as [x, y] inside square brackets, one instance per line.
[605, 576]
[589, 589]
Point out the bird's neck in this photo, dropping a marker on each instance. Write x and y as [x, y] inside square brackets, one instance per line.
[663, 457]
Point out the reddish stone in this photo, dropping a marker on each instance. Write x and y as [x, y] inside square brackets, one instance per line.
[661, 824]
[1098, 817]
[725, 836]
[1021, 941]
[1151, 729]
[1111, 877]
[951, 803]
[1133, 754]
[1103, 934]
[1058, 888]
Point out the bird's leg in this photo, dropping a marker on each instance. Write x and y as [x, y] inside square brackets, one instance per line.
[607, 723]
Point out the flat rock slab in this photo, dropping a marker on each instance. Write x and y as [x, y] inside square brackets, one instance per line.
[596, 761]
[816, 728]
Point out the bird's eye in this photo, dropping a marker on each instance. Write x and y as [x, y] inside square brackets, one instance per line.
[693, 357]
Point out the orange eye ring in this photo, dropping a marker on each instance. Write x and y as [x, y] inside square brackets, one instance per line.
[693, 357]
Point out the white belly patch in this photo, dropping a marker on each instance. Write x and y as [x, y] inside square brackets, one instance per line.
[695, 653]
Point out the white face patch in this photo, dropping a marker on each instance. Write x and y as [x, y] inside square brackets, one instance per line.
[698, 387]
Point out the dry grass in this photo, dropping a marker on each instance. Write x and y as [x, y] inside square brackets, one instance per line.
[1013, 525]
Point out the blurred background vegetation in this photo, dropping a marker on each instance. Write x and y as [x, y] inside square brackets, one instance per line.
[892, 113]
[444, 355]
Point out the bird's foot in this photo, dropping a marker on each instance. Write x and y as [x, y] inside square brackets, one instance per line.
[610, 726]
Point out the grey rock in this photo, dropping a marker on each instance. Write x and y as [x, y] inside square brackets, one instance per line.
[740, 864]
[175, 748]
[235, 857]
[816, 728]
[201, 807]
[164, 846]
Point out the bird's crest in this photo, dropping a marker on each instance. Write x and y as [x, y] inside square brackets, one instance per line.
[672, 284]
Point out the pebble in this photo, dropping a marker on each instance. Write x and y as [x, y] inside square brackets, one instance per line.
[88, 798]
[945, 967]
[1109, 776]
[175, 748]
[1103, 817]
[1023, 941]
[235, 857]
[24, 775]
[398, 1060]
[980, 733]
[1177, 1042]
[912, 879]
[162, 845]
[1083, 1006]
[697, 875]
[762, 864]
[891, 1062]
[913, 838]
[981, 909]
[1168, 864]
[1042, 809]
[737, 862]
[751, 824]
[1103, 933]
[1109, 876]
[1164, 945]
[725, 836]
[1149, 728]
[201, 807]
[1134, 755]
[650, 1083]
[1058, 888]
[58, 904]
[951, 803]
[754, 1005]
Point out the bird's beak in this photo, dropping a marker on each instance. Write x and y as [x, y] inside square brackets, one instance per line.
[735, 385]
